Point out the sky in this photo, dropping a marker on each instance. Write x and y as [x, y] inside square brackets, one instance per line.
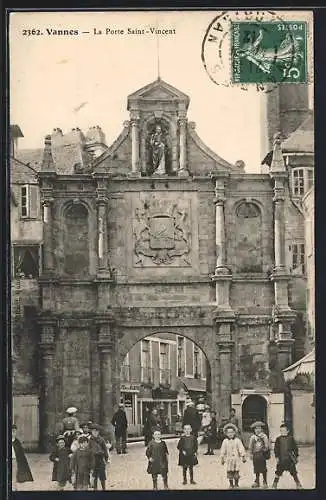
[51, 76]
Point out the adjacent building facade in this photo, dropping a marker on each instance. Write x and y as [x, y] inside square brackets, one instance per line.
[160, 372]
[157, 237]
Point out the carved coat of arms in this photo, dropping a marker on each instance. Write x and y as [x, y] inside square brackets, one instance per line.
[161, 234]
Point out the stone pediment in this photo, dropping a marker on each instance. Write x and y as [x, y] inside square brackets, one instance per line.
[159, 89]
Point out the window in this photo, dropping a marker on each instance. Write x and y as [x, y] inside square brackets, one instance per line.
[197, 370]
[164, 363]
[146, 362]
[29, 201]
[26, 261]
[125, 369]
[302, 180]
[298, 258]
[180, 357]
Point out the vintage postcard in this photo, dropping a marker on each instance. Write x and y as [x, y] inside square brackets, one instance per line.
[162, 238]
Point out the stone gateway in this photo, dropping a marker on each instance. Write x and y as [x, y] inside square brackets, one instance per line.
[200, 249]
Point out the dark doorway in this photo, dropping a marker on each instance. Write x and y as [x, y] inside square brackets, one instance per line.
[254, 408]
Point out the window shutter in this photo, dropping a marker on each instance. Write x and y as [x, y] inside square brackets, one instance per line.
[33, 201]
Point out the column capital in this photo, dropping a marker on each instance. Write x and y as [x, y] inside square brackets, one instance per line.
[225, 347]
[219, 199]
[182, 120]
[135, 121]
[47, 201]
[101, 200]
[47, 349]
[279, 195]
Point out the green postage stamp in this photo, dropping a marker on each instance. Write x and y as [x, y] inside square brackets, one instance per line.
[273, 52]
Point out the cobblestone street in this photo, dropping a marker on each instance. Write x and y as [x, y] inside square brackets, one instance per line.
[128, 472]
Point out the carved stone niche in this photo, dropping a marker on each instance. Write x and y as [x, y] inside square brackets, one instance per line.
[158, 145]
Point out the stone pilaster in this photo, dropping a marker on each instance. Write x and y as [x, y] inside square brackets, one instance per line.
[102, 232]
[47, 410]
[283, 321]
[225, 354]
[48, 258]
[222, 275]
[183, 172]
[135, 145]
[106, 352]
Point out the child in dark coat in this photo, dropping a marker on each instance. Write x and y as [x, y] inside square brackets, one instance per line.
[157, 454]
[98, 446]
[61, 463]
[20, 472]
[286, 453]
[259, 452]
[188, 446]
[82, 465]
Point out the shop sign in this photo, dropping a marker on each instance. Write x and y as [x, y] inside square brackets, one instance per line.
[130, 387]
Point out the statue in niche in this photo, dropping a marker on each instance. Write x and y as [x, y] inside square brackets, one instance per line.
[158, 161]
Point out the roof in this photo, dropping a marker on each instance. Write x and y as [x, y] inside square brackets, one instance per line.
[31, 157]
[15, 131]
[22, 173]
[302, 140]
[159, 90]
[305, 365]
[194, 384]
[65, 156]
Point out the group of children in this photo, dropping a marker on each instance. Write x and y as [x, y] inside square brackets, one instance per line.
[82, 463]
[232, 455]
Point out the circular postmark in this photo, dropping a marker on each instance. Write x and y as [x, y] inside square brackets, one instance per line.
[256, 48]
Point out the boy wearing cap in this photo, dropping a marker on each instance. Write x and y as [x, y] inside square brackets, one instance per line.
[232, 452]
[259, 452]
[61, 463]
[20, 472]
[286, 453]
[98, 446]
[82, 465]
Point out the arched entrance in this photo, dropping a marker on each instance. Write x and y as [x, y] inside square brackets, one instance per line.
[162, 371]
[254, 408]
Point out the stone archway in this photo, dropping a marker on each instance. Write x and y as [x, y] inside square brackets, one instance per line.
[152, 368]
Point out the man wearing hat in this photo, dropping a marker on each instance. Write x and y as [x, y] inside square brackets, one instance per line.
[99, 449]
[259, 451]
[120, 424]
[192, 417]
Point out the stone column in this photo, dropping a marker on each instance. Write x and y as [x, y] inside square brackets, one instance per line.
[284, 338]
[222, 275]
[106, 376]
[183, 148]
[279, 224]
[135, 145]
[225, 354]
[48, 261]
[47, 410]
[102, 235]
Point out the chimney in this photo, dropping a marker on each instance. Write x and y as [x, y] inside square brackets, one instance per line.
[47, 162]
[95, 135]
[15, 133]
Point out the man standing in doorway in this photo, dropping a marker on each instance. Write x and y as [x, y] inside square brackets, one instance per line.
[120, 423]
